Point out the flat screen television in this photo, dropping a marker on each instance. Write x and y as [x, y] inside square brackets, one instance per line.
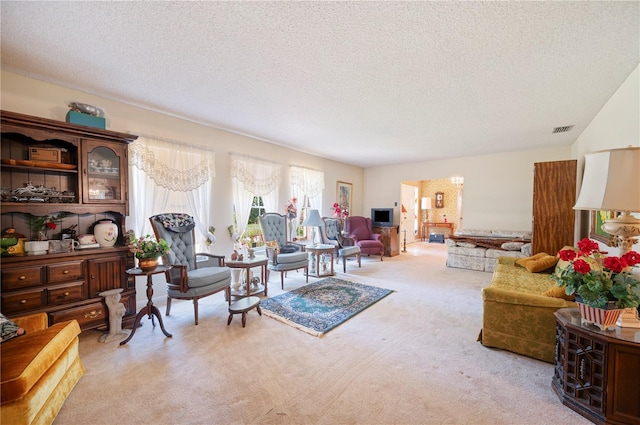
[382, 217]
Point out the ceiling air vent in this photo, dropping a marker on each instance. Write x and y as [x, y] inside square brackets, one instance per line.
[562, 129]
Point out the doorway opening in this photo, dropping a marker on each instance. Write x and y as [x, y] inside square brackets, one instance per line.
[432, 206]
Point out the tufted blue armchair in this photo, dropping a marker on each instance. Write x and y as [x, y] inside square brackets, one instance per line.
[186, 280]
[330, 233]
[283, 255]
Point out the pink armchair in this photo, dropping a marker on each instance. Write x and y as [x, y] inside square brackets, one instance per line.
[360, 230]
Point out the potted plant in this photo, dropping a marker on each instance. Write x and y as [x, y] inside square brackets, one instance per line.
[340, 214]
[40, 225]
[147, 250]
[599, 282]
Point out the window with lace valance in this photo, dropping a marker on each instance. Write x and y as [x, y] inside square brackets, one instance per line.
[253, 177]
[307, 181]
[169, 176]
[172, 165]
[307, 185]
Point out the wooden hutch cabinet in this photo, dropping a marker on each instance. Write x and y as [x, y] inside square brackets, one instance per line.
[88, 183]
[597, 373]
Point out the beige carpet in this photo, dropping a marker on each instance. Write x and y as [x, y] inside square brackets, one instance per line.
[411, 358]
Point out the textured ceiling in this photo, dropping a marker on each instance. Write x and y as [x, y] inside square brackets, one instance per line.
[368, 83]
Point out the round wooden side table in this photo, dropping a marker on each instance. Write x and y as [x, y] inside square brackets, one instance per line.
[150, 309]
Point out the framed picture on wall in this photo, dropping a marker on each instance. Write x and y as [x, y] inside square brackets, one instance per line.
[344, 195]
[597, 219]
[439, 199]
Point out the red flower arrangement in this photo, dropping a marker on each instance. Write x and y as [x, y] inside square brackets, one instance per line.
[598, 279]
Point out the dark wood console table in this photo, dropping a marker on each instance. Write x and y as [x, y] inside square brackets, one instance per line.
[597, 373]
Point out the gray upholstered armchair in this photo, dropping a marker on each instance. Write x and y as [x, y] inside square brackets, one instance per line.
[330, 233]
[185, 280]
[283, 255]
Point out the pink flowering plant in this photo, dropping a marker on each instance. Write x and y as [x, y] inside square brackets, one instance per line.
[291, 210]
[147, 246]
[339, 213]
[598, 279]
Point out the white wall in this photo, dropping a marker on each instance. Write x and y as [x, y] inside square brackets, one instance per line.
[498, 189]
[617, 125]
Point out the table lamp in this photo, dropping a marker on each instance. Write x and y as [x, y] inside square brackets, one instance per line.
[313, 220]
[610, 183]
[426, 206]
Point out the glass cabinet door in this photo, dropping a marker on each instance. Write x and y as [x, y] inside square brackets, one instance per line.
[104, 171]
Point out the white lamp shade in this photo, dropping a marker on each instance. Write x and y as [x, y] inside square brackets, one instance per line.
[313, 219]
[426, 203]
[611, 181]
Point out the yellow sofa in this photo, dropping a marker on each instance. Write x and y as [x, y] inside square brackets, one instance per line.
[38, 370]
[516, 315]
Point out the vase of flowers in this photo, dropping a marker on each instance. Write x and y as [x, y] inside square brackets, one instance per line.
[147, 250]
[340, 213]
[603, 286]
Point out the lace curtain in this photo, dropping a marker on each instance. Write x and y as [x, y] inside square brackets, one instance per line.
[307, 185]
[172, 165]
[158, 167]
[253, 177]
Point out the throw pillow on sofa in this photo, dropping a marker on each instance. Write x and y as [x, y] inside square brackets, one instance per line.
[523, 261]
[558, 292]
[9, 329]
[538, 263]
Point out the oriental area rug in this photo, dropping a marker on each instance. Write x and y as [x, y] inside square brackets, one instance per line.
[321, 306]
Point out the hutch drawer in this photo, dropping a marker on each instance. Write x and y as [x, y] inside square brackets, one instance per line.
[21, 277]
[88, 316]
[65, 272]
[66, 294]
[23, 301]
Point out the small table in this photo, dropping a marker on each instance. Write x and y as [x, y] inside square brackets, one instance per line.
[242, 306]
[150, 309]
[248, 264]
[317, 251]
[596, 372]
[426, 228]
